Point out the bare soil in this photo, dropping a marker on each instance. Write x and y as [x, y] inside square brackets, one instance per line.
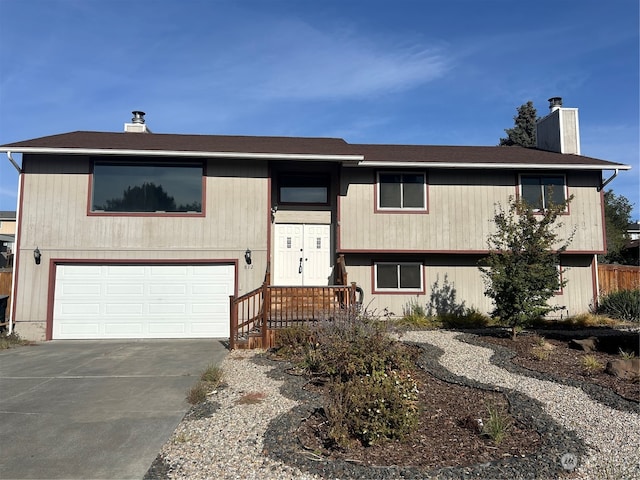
[448, 433]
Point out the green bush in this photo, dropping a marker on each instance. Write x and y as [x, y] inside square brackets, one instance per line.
[621, 305]
[372, 408]
[472, 318]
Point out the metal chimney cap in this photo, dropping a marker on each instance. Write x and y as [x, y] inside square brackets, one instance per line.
[555, 103]
[138, 116]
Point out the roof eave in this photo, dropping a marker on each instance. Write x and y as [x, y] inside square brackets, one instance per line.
[501, 166]
[185, 153]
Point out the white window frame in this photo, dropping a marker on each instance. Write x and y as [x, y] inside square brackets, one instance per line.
[398, 289]
[425, 206]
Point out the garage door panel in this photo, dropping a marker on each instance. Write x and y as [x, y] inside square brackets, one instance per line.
[125, 289]
[142, 301]
[124, 309]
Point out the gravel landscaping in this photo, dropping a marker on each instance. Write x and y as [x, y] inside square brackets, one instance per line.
[250, 428]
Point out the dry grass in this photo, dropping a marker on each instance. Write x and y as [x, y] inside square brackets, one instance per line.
[12, 340]
[210, 379]
[251, 398]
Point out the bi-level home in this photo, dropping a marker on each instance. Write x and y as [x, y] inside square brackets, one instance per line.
[145, 235]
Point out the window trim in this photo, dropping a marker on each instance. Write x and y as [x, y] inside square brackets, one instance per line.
[540, 176]
[313, 175]
[396, 291]
[414, 210]
[145, 161]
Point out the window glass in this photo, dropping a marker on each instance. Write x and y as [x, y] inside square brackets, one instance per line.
[303, 188]
[410, 276]
[540, 192]
[387, 276]
[413, 191]
[398, 276]
[401, 190]
[390, 192]
[158, 187]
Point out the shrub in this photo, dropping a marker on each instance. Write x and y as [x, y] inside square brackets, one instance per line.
[212, 375]
[497, 425]
[472, 318]
[198, 393]
[353, 346]
[292, 340]
[210, 378]
[622, 305]
[371, 395]
[12, 340]
[591, 364]
[372, 408]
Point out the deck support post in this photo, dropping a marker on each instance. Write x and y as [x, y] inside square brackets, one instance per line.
[233, 322]
[266, 314]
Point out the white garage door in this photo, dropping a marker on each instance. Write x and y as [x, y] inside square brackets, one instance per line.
[142, 301]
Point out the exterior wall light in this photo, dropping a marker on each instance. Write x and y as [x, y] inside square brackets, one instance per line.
[37, 256]
[247, 256]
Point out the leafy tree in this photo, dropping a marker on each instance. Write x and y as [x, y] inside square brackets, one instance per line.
[617, 216]
[147, 197]
[524, 131]
[521, 273]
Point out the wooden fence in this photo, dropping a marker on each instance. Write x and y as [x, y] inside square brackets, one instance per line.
[5, 289]
[618, 277]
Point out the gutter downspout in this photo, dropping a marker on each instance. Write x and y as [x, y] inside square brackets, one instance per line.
[14, 163]
[16, 243]
[606, 182]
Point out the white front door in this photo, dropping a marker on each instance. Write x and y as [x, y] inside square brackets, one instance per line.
[302, 255]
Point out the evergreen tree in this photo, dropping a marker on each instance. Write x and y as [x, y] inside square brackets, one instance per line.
[521, 272]
[524, 131]
[617, 216]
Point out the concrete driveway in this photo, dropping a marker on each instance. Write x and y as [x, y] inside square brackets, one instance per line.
[94, 409]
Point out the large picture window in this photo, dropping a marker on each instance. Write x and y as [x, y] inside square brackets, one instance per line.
[402, 191]
[403, 276]
[542, 191]
[303, 188]
[147, 187]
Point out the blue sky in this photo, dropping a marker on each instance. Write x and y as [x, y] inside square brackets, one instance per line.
[442, 72]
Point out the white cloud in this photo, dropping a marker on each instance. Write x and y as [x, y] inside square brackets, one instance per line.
[297, 61]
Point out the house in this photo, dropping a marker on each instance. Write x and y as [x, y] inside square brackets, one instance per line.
[7, 237]
[145, 235]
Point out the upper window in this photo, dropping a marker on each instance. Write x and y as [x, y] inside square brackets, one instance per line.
[398, 277]
[147, 187]
[542, 191]
[402, 191]
[303, 188]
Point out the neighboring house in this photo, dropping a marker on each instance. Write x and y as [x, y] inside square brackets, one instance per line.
[7, 236]
[633, 229]
[143, 235]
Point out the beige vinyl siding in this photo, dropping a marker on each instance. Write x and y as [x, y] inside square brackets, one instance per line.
[55, 219]
[461, 206]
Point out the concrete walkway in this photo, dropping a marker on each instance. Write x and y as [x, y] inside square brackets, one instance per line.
[94, 409]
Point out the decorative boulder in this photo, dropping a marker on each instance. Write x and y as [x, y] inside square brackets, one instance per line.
[587, 344]
[624, 369]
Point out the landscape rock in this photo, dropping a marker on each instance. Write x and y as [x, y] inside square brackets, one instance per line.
[625, 369]
[587, 344]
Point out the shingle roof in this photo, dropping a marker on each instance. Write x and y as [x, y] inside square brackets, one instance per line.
[439, 154]
[185, 143]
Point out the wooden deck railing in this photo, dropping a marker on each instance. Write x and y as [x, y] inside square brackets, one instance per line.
[255, 316]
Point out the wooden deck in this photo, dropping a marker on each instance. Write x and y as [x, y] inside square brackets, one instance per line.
[255, 316]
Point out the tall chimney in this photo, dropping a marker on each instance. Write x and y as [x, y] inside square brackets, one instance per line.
[559, 131]
[137, 124]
